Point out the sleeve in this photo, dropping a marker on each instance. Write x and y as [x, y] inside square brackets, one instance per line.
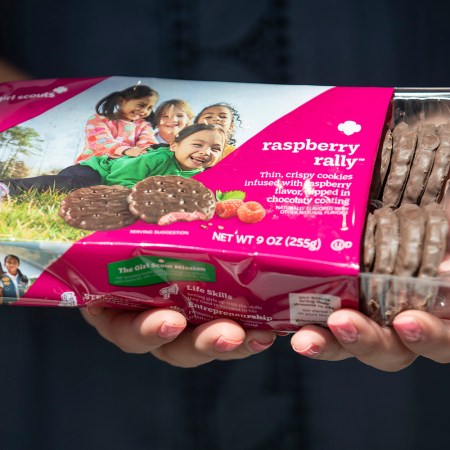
[128, 171]
[145, 135]
[102, 138]
[159, 162]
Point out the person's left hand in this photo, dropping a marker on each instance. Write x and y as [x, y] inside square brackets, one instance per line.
[10, 73]
[352, 334]
[165, 334]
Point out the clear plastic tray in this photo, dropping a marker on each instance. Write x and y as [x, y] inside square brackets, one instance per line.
[384, 296]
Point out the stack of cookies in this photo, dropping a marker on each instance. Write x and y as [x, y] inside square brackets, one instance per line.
[407, 226]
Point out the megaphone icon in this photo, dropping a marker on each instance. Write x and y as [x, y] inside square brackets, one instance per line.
[165, 292]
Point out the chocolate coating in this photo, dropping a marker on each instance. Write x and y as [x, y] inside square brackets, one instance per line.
[167, 199]
[427, 143]
[411, 221]
[441, 167]
[435, 241]
[386, 240]
[97, 208]
[386, 154]
[382, 164]
[404, 146]
[369, 243]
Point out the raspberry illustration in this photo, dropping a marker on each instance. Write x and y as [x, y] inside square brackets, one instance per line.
[228, 208]
[251, 212]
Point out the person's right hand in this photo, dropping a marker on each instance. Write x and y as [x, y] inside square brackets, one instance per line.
[353, 335]
[165, 334]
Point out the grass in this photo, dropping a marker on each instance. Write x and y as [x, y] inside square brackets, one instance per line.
[33, 216]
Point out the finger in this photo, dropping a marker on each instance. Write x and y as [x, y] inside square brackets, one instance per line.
[255, 342]
[424, 334]
[377, 346]
[136, 332]
[220, 339]
[318, 342]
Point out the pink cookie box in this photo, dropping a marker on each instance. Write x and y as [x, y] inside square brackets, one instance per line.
[304, 153]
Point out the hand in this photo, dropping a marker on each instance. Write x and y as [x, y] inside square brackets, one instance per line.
[134, 151]
[165, 334]
[10, 73]
[351, 334]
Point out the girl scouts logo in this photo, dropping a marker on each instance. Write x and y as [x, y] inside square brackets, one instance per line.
[60, 89]
[68, 299]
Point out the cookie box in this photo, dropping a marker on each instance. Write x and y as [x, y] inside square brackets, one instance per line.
[232, 200]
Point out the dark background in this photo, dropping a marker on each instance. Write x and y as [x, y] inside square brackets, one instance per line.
[63, 387]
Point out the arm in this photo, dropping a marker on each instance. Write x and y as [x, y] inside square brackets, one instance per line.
[11, 73]
[351, 334]
[102, 138]
[166, 335]
[109, 138]
[145, 135]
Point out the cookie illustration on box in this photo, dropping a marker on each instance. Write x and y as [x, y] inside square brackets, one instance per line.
[97, 208]
[167, 199]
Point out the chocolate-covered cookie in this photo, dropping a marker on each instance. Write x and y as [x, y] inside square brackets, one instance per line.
[411, 225]
[386, 240]
[167, 199]
[441, 167]
[435, 242]
[404, 146]
[369, 243]
[386, 154]
[374, 289]
[427, 143]
[382, 165]
[97, 208]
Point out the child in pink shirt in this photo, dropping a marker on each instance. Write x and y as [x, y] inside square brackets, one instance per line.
[120, 127]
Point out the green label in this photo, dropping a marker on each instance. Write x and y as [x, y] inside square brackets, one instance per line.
[148, 270]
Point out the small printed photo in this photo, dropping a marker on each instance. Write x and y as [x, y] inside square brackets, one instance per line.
[21, 265]
[13, 282]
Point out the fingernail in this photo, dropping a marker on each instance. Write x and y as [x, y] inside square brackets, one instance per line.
[408, 329]
[345, 332]
[257, 346]
[312, 351]
[283, 333]
[226, 345]
[93, 310]
[169, 331]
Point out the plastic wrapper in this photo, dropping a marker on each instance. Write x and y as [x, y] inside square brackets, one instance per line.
[232, 200]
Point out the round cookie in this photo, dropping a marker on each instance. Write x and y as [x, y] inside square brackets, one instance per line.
[97, 208]
[167, 199]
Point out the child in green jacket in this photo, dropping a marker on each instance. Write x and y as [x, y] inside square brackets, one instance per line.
[194, 149]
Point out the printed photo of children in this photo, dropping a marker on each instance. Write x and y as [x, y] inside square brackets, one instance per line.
[126, 138]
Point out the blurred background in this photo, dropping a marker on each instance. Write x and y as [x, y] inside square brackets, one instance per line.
[64, 387]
